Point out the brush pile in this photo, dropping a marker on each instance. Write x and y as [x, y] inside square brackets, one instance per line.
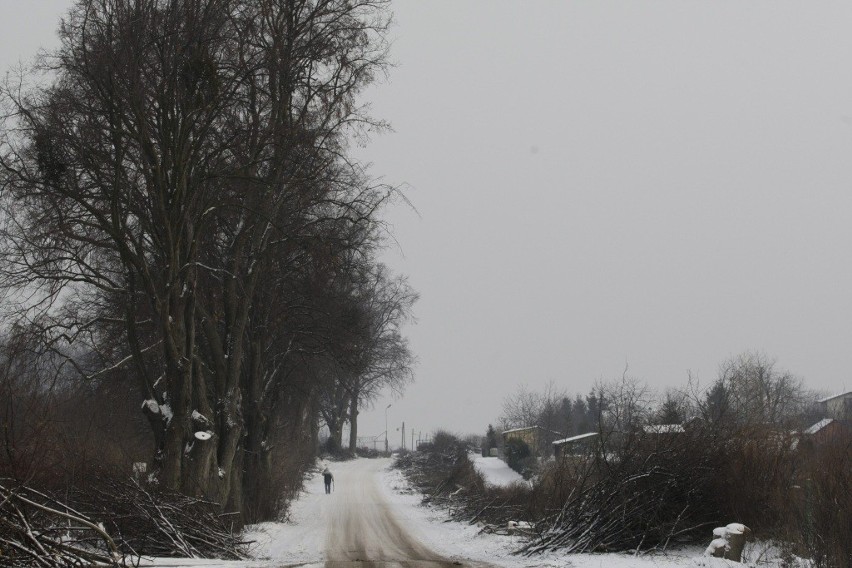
[108, 524]
[146, 522]
[639, 504]
[443, 472]
[37, 530]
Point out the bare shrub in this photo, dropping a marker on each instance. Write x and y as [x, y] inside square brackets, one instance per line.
[755, 470]
[635, 491]
[519, 456]
[822, 505]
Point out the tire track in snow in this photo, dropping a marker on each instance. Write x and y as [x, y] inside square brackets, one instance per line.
[362, 528]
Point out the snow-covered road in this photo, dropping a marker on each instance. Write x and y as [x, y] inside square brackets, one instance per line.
[363, 527]
[363, 522]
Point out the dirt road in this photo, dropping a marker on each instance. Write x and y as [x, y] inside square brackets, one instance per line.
[362, 527]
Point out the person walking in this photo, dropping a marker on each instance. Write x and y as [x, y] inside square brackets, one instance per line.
[328, 478]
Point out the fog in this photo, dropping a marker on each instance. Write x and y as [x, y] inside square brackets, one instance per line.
[605, 185]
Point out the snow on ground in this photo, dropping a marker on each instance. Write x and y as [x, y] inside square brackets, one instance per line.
[495, 471]
[299, 541]
[302, 540]
[461, 541]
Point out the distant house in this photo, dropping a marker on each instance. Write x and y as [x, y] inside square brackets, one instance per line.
[575, 445]
[536, 437]
[826, 431]
[664, 429]
[838, 406]
[655, 434]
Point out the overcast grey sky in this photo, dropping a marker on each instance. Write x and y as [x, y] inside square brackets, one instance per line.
[659, 184]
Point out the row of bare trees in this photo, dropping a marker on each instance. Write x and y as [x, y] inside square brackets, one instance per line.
[660, 468]
[181, 213]
[375, 354]
[749, 390]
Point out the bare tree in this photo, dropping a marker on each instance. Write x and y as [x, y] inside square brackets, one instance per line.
[624, 404]
[521, 409]
[381, 358]
[545, 410]
[185, 154]
[334, 402]
[751, 390]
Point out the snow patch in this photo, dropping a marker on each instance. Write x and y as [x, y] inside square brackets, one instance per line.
[495, 471]
[664, 429]
[818, 426]
[302, 538]
[200, 418]
[166, 410]
[575, 438]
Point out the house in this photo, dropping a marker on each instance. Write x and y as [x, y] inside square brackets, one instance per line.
[838, 406]
[826, 431]
[536, 437]
[654, 435]
[664, 429]
[575, 445]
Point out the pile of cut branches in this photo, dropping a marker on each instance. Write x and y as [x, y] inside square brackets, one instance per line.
[149, 522]
[37, 530]
[641, 498]
[443, 472]
[109, 522]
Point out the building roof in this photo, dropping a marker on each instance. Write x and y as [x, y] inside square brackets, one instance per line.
[575, 438]
[818, 426]
[826, 399]
[520, 429]
[529, 428]
[664, 429]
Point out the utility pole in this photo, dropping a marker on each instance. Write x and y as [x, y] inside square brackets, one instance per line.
[386, 428]
[412, 439]
[403, 435]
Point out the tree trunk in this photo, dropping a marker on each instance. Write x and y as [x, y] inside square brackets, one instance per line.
[335, 436]
[353, 424]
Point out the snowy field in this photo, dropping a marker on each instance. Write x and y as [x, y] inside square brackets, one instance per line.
[495, 471]
[316, 521]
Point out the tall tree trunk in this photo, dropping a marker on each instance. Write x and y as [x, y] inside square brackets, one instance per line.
[335, 436]
[353, 424]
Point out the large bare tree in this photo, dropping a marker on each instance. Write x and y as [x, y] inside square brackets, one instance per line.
[751, 390]
[179, 158]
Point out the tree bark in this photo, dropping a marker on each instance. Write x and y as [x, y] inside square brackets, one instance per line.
[353, 425]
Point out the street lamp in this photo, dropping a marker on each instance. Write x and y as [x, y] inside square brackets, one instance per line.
[386, 428]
